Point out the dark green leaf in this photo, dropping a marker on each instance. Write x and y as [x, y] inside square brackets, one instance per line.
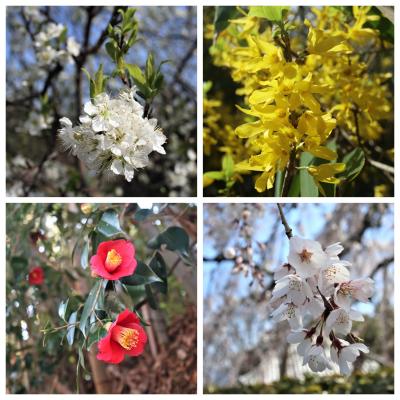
[109, 224]
[19, 263]
[151, 298]
[142, 214]
[294, 190]
[308, 188]
[90, 305]
[354, 161]
[95, 336]
[142, 275]
[222, 16]
[175, 238]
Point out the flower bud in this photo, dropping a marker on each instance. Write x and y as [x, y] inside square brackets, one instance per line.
[229, 253]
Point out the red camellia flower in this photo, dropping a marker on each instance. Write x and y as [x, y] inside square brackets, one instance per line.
[114, 259]
[36, 276]
[125, 337]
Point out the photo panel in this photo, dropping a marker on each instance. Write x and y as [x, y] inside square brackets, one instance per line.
[101, 298]
[298, 298]
[298, 101]
[108, 99]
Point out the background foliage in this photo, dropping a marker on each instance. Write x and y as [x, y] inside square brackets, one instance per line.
[60, 238]
[36, 164]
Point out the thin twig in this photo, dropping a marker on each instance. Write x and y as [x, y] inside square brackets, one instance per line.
[288, 229]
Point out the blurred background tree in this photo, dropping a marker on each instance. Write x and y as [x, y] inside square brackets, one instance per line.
[244, 350]
[49, 236]
[43, 87]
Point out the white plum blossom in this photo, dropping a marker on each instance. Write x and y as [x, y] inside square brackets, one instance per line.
[313, 292]
[113, 136]
[73, 47]
[306, 256]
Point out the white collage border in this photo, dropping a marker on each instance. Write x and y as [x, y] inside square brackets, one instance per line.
[200, 200]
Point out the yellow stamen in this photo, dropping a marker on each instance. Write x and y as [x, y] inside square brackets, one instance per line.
[128, 338]
[113, 260]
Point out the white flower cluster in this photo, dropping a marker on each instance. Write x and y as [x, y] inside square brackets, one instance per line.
[48, 52]
[316, 284]
[113, 135]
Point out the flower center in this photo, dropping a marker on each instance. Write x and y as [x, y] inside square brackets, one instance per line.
[305, 256]
[127, 338]
[113, 260]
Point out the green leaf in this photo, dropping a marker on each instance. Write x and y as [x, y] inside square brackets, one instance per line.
[175, 238]
[308, 188]
[294, 190]
[19, 263]
[62, 309]
[143, 275]
[228, 166]
[151, 298]
[354, 161]
[157, 264]
[90, 305]
[112, 50]
[95, 336]
[384, 24]
[85, 255]
[271, 13]
[136, 73]
[217, 175]
[222, 16]
[71, 328]
[142, 214]
[150, 67]
[109, 224]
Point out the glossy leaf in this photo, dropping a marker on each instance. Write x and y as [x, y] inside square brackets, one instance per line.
[62, 309]
[175, 238]
[109, 224]
[142, 275]
[71, 328]
[90, 305]
[85, 255]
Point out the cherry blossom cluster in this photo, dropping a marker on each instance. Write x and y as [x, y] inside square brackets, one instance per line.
[113, 135]
[315, 286]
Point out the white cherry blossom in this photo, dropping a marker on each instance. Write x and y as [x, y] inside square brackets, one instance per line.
[343, 353]
[306, 256]
[340, 320]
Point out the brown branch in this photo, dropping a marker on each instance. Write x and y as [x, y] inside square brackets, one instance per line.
[288, 229]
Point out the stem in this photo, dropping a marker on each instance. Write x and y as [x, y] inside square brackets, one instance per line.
[290, 171]
[288, 229]
[327, 304]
